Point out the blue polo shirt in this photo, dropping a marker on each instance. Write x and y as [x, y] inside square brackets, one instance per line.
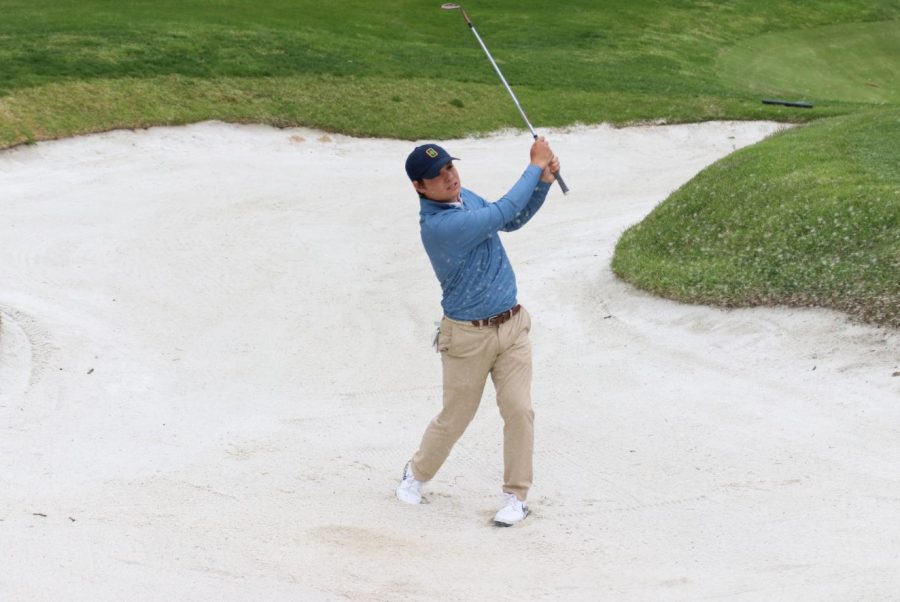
[464, 247]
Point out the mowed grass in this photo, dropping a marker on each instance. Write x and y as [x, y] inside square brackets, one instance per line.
[401, 69]
[824, 233]
[854, 61]
[809, 217]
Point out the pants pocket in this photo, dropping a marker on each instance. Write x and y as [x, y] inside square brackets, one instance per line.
[461, 341]
[444, 336]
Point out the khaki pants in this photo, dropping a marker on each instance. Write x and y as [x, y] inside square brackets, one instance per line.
[468, 354]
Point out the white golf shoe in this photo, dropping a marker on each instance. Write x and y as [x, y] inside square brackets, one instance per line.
[513, 512]
[410, 490]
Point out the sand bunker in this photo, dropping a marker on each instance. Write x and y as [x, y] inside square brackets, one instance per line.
[214, 362]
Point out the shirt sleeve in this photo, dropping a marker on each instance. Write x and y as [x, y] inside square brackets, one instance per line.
[538, 196]
[461, 231]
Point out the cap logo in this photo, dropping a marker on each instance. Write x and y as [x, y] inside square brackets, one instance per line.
[431, 153]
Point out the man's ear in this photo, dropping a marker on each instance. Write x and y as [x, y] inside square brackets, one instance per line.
[419, 187]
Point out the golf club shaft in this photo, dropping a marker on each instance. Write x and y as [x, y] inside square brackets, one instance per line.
[562, 184]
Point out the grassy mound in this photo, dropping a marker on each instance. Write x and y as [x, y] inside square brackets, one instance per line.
[807, 217]
[853, 62]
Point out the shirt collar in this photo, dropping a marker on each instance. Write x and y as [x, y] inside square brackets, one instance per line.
[429, 206]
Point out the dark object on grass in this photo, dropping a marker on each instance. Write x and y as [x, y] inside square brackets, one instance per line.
[787, 103]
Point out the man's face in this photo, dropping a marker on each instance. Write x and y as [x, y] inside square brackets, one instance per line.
[443, 188]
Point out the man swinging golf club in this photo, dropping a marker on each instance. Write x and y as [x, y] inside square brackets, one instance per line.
[484, 330]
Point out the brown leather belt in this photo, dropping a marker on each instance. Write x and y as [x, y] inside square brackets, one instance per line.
[499, 318]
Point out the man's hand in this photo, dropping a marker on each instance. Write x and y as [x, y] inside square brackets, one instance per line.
[547, 175]
[543, 157]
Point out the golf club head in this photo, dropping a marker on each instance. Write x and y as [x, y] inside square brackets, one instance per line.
[462, 11]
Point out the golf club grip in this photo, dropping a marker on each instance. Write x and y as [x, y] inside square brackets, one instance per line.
[562, 185]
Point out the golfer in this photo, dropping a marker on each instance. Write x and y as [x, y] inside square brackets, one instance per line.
[484, 330]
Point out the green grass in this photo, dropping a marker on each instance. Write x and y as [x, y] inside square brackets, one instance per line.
[854, 62]
[810, 217]
[406, 69]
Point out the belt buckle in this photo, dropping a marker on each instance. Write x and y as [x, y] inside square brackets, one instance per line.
[496, 320]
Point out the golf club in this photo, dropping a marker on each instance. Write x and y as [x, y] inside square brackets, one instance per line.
[454, 6]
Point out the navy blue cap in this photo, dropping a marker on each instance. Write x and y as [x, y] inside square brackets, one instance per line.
[426, 161]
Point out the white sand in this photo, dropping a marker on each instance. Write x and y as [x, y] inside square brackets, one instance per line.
[215, 360]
